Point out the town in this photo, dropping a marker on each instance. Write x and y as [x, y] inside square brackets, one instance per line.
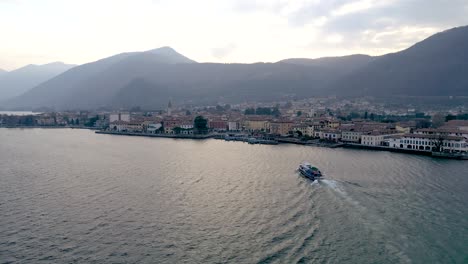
[326, 122]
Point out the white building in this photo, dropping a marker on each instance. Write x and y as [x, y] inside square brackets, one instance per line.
[310, 131]
[330, 134]
[375, 138]
[351, 136]
[233, 126]
[119, 117]
[153, 128]
[120, 126]
[424, 142]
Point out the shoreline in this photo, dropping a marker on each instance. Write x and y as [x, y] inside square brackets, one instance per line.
[293, 141]
[181, 136]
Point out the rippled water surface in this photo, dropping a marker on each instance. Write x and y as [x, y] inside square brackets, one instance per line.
[72, 196]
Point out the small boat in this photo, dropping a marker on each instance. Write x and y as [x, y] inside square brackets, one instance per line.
[309, 171]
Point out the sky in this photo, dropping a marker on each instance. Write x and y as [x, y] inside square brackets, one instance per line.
[81, 31]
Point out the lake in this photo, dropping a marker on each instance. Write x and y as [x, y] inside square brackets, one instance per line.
[73, 196]
[19, 113]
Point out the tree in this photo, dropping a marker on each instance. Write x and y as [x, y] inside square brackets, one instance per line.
[276, 112]
[201, 125]
[219, 108]
[92, 121]
[450, 117]
[263, 111]
[419, 115]
[353, 115]
[438, 120]
[438, 143]
[177, 130]
[249, 111]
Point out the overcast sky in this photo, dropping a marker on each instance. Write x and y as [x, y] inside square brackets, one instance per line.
[80, 31]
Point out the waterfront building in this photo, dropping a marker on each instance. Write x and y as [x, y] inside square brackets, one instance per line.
[301, 128]
[330, 134]
[120, 126]
[218, 125]
[153, 127]
[429, 142]
[281, 127]
[376, 138]
[351, 135]
[443, 131]
[233, 126]
[310, 131]
[135, 127]
[253, 124]
[119, 117]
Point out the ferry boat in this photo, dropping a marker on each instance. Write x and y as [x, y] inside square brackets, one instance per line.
[307, 170]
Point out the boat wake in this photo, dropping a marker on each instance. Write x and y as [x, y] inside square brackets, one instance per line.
[334, 185]
[373, 222]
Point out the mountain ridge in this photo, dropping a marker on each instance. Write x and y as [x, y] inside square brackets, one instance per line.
[14, 83]
[148, 78]
[435, 66]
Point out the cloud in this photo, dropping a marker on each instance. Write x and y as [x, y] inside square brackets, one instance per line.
[222, 31]
[222, 52]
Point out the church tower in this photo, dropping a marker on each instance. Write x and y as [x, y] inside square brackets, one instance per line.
[169, 108]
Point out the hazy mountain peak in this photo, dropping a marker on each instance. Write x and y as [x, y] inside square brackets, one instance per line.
[170, 54]
[163, 50]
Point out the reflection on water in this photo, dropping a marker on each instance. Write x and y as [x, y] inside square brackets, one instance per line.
[75, 196]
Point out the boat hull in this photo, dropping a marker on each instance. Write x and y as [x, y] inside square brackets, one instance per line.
[309, 174]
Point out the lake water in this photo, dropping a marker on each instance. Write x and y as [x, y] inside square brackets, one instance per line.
[19, 113]
[73, 196]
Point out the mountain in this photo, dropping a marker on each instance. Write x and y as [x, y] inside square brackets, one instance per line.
[19, 81]
[90, 85]
[436, 66]
[209, 83]
[169, 55]
[149, 78]
[345, 63]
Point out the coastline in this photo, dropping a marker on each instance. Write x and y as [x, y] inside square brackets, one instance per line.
[293, 141]
[182, 136]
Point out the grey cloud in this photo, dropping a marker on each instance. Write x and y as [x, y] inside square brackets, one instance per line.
[437, 14]
[434, 13]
